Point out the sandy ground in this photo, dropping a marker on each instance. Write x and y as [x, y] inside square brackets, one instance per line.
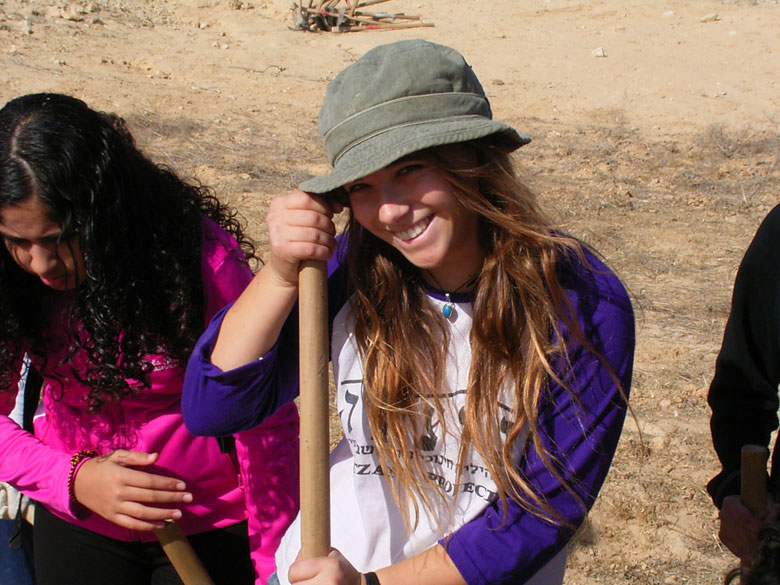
[664, 154]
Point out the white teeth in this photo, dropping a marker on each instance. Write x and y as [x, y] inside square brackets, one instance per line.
[414, 231]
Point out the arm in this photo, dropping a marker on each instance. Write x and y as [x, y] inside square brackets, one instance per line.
[25, 462]
[104, 485]
[431, 567]
[245, 364]
[581, 429]
[34, 468]
[743, 394]
[300, 227]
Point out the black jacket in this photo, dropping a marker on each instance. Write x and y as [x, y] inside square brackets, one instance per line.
[744, 391]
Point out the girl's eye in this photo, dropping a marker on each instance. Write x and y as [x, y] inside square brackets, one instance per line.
[355, 187]
[411, 167]
[13, 241]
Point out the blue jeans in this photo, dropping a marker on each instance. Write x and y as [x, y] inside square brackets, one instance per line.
[273, 579]
[15, 564]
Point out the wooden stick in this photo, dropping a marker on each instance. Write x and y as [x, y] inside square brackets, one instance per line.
[389, 26]
[182, 556]
[753, 484]
[753, 488]
[314, 448]
[371, 3]
[374, 20]
[390, 15]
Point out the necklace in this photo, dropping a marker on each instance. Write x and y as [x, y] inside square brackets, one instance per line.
[449, 306]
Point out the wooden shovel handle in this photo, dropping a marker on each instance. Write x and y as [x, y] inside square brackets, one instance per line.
[315, 447]
[182, 556]
[753, 488]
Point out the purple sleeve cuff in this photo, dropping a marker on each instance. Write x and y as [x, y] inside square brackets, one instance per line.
[217, 403]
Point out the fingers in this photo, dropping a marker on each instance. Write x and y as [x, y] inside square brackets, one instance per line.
[143, 479]
[300, 226]
[124, 457]
[133, 510]
[154, 495]
[311, 201]
[129, 497]
[132, 523]
[303, 242]
[145, 518]
[332, 570]
[150, 481]
[738, 528]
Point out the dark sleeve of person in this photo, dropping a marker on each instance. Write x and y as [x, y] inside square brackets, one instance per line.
[743, 394]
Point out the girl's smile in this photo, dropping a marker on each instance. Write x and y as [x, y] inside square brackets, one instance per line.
[411, 206]
[35, 243]
[415, 230]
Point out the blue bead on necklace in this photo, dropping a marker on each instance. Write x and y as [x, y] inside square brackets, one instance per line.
[449, 307]
[446, 310]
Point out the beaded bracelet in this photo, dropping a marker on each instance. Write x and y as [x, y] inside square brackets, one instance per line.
[74, 463]
[371, 578]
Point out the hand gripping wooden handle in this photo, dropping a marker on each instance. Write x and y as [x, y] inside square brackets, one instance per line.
[182, 556]
[315, 447]
[753, 488]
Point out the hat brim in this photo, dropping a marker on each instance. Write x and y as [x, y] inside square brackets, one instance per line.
[382, 149]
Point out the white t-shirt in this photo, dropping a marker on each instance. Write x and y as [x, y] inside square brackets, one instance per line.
[366, 524]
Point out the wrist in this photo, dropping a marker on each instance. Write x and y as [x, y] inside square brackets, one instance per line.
[76, 461]
[283, 275]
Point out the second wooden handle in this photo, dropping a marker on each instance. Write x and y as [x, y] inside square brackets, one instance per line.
[182, 556]
[753, 488]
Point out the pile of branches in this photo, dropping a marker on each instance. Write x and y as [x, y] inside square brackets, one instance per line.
[328, 15]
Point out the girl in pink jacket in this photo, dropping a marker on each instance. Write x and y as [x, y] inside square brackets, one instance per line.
[110, 268]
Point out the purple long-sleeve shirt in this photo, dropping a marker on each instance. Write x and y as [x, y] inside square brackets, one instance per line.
[580, 427]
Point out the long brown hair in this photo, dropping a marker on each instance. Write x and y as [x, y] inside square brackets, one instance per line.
[522, 322]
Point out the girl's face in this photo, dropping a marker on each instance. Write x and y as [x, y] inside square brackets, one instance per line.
[31, 237]
[411, 206]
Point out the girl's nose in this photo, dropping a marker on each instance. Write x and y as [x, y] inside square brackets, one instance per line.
[392, 205]
[43, 259]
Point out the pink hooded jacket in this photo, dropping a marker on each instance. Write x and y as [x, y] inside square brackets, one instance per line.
[150, 420]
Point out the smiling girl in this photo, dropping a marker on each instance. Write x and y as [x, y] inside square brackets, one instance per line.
[110, 268]
[482, 358]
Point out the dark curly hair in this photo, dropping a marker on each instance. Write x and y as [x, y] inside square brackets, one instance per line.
[139, 229]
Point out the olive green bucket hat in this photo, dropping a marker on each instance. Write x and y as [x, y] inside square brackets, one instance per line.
[398, 99]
